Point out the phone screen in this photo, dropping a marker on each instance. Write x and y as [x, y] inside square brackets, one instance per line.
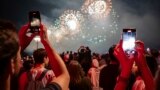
[129, 38]
[34, 20]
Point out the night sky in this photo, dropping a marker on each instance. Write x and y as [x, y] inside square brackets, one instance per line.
[144, 15]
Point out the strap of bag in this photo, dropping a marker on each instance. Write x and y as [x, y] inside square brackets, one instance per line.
[42, 75]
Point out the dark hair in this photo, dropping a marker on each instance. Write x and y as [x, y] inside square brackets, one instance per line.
[8, 44]
[39, 55]
[154, 53]
[28, 64]
[106, 58]
[111, 53]
[152, 64]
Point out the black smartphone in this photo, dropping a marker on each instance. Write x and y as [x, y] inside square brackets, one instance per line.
[34, 21]
[129, 38]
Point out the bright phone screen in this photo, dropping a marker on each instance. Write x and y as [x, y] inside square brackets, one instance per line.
[129, 38]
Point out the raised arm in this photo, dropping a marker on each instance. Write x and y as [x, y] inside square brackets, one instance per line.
[24, 42]
[126, 65]
[23, 38]
[142, 65]
[56, 62]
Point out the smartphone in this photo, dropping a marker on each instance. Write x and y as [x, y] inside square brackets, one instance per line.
[34, 21]
[129, 38]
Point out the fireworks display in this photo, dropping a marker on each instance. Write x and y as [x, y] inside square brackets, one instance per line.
[70, 22]
[75, 28]
[97, 8]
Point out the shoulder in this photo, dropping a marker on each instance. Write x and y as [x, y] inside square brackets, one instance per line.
[50, 73]
[91, 69]
[52, 86]
[23, 76]
[23, 79]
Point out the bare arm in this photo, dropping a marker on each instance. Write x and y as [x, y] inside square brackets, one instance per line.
[56, 62]
[126, 65]
[25, 40]
[126, 69]
[143, 67]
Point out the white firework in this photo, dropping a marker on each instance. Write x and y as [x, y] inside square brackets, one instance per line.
[70, 22]
[97, 8]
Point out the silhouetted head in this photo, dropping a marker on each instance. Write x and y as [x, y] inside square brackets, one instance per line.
[9, 51]
[111, 53]
[39, 55]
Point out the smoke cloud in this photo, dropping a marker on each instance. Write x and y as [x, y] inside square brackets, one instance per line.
[141, 15]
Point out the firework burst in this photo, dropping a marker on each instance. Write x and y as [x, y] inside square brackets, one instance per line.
[97, 8]
[70, 22]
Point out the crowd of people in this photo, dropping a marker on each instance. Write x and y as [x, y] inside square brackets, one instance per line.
[73, 70]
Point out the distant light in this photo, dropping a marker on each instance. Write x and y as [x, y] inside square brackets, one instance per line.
[148, 49]
[37, 39]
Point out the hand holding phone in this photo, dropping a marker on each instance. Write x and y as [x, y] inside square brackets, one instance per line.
[34, 21]
[129, 38]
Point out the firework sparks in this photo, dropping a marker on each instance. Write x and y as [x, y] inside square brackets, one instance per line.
[70, 22]
[97, 8]
[74, 26]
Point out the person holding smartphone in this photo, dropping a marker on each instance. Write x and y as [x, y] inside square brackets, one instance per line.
[126, 61]
[10, 57]
[34, 21]
[62, 79]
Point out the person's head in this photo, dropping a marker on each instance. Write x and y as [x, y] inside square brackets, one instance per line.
[70, 52]
[111, 53]
[152, 64]
[95, 63]
[66, 57]
[106, 58]
[9, 50]
[40, 56]
[28, 63]
[155, 53]
[76, 71]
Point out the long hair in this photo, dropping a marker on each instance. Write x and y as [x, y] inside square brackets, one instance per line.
[76, 72]
[9, 46]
